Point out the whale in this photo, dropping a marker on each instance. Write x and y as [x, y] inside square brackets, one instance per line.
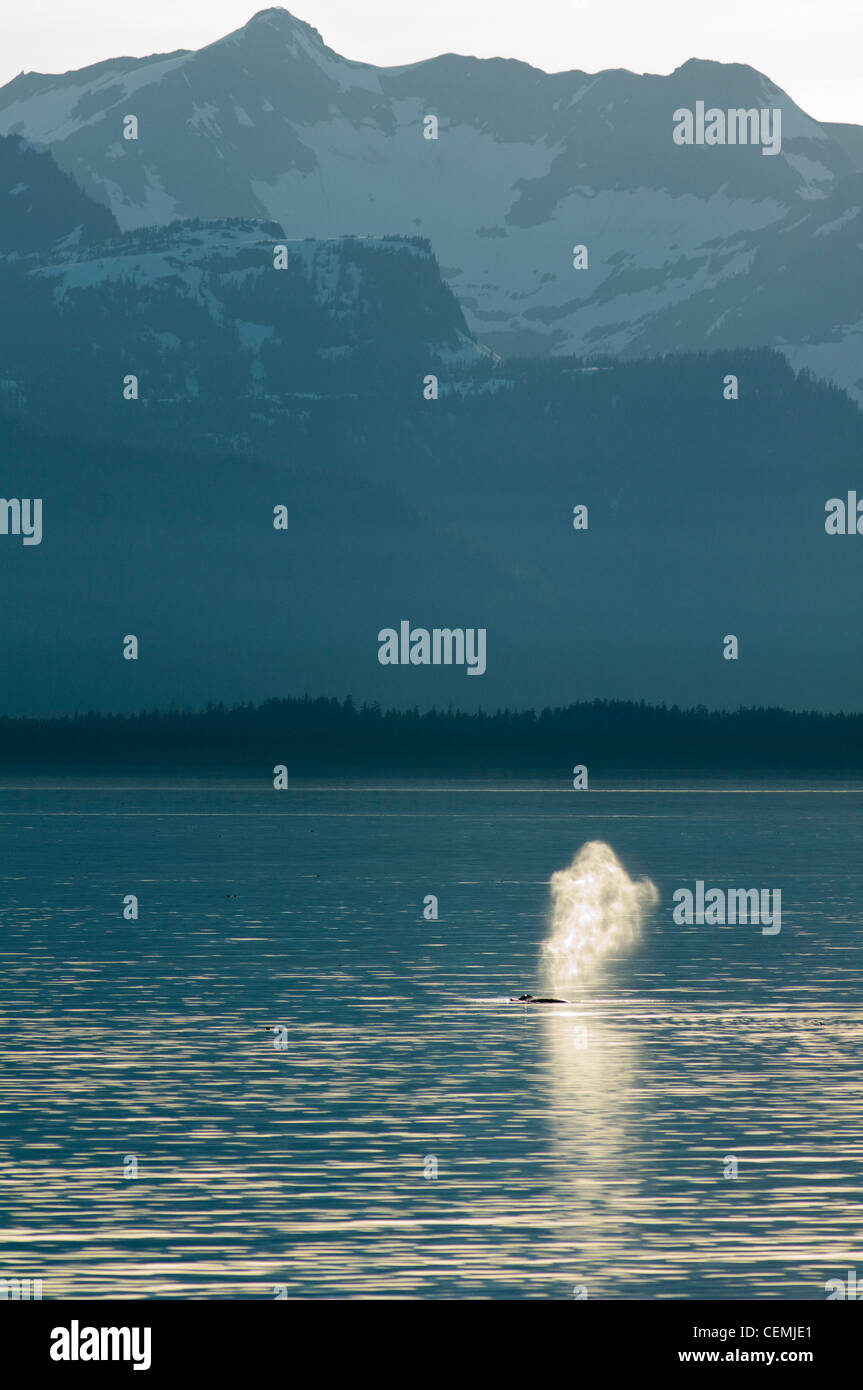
[532, 999]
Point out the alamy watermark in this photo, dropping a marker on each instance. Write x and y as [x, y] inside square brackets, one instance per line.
[849, 1288]
[718, 908]
[440, 646]
[77, 1343]
[844, 518]
[15, 1290]
[738, 126]
[22, 516]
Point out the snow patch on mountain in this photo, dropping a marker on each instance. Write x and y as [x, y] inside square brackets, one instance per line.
[816, 178]
[828, 228]
[840, 361]
[160, 208]
[52, 114]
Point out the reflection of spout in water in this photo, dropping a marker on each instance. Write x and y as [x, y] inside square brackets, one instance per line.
[596, 908]
[592, 1074]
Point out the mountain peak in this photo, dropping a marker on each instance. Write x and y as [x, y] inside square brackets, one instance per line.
[280, 19]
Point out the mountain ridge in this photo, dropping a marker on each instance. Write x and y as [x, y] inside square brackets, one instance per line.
[268, 122]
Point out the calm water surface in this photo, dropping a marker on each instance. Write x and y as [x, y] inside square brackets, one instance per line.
[584, 1146]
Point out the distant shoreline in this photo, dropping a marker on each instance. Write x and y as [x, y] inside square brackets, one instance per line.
[334, 736]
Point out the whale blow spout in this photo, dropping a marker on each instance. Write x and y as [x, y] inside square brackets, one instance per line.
[596, 910]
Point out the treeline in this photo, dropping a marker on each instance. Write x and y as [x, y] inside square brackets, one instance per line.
[329, 735]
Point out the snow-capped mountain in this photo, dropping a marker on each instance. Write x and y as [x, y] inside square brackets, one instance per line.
[270, 123]
[224, 316]
[163, 389]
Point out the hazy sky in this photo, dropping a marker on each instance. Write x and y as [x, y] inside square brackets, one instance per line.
[811, 48]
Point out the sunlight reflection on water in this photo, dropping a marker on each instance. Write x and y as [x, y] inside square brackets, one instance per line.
[577, 1145]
